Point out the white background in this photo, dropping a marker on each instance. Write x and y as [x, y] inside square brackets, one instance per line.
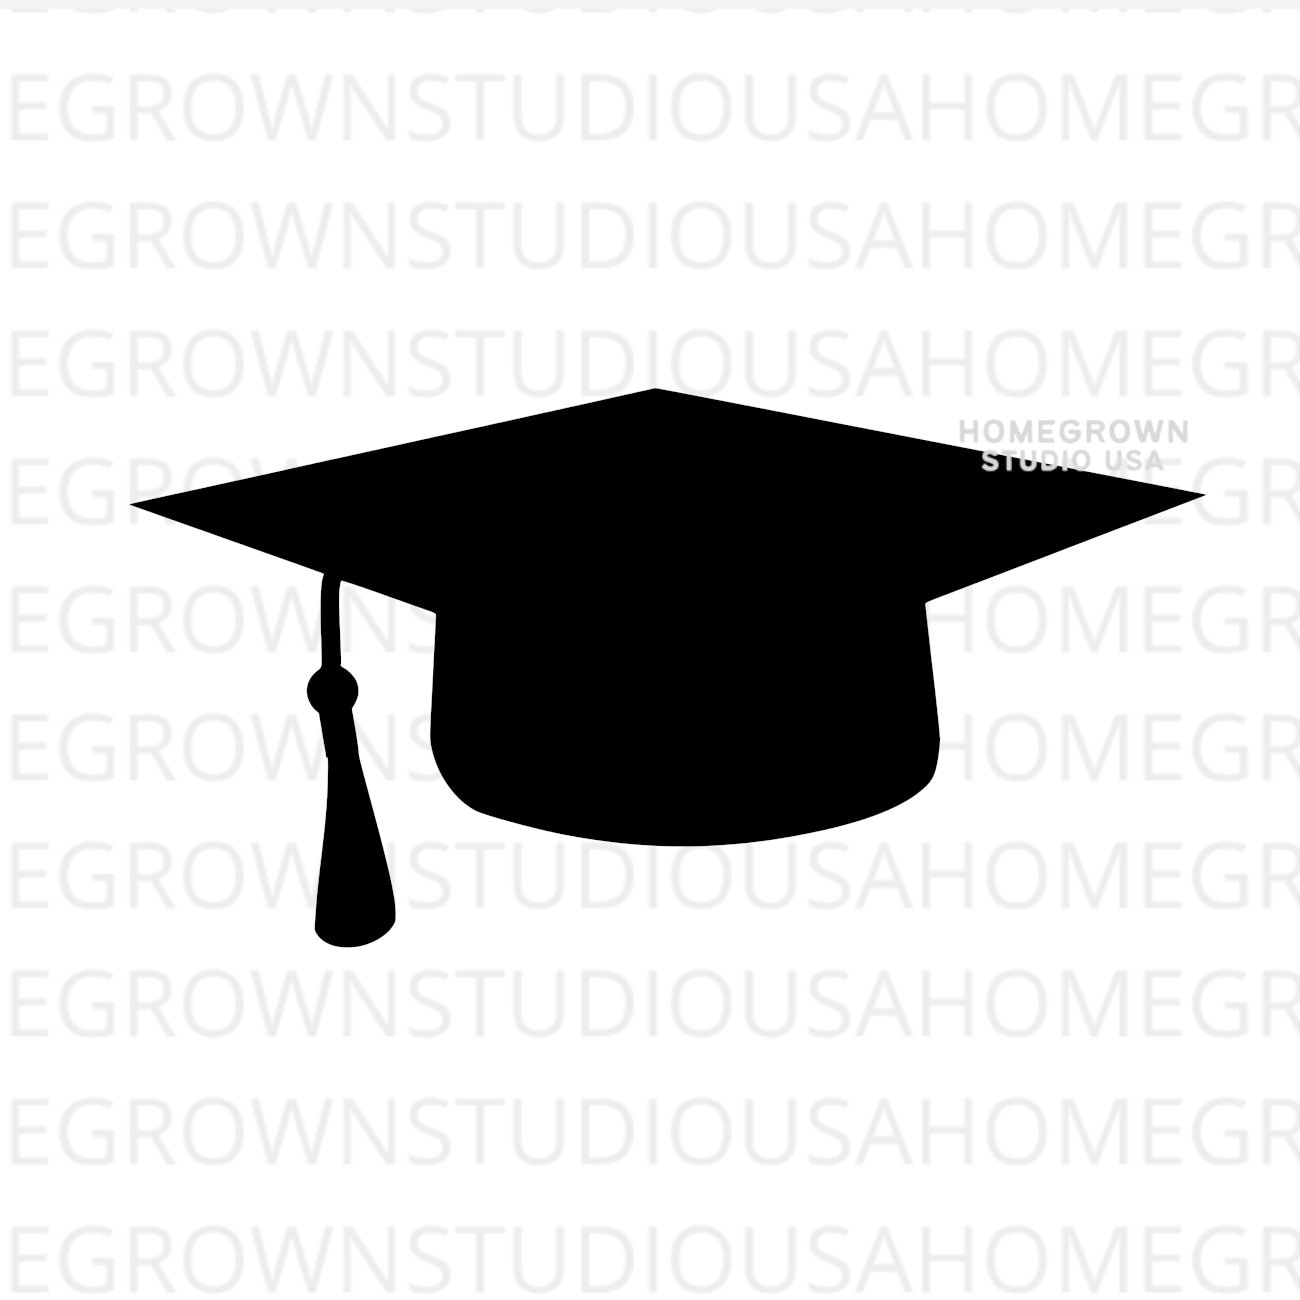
[76, 686]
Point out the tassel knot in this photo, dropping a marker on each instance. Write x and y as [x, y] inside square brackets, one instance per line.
[332, 687]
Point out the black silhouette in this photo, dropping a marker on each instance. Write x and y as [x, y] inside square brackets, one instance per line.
[662, 619]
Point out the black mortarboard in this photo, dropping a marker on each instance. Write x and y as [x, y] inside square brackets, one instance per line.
[736, 596]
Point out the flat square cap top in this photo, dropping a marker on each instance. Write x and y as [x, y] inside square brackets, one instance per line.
[665, 498]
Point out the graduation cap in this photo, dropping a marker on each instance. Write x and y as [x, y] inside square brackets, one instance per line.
[661, 619]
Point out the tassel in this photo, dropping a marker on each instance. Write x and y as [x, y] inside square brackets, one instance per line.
[354, 895]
